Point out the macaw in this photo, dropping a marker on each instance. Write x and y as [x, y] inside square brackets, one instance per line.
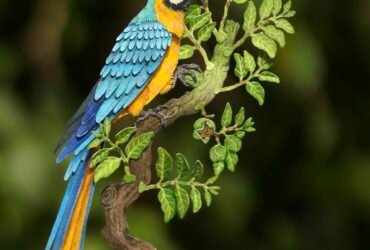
[140, 66]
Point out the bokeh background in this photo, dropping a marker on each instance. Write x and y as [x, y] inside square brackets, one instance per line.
[303, 181]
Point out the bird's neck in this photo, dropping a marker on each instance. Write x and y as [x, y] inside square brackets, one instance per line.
[171, 19]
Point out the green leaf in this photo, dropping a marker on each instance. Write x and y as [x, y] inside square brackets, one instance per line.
[128, 178]
[250, 130]
[186, 51]
[240, 134]
[239, 1]
[182, 166]
[240, 70]
[217, 153]
[249, 62]
[198, 170]
[233, 143]
[275, 34]
[124, 135]
[205, 32]
[142, 187]
[200, 123]
[96, 143]
[248, 125]
[97, 134]
[106, 168]
[201, 20]
[290, 13]
[214, 190]
[250, 16]
[99, 156]
[261, 41]
[266, 9]
[168, 203]
[256, 90]
[218, 167]
[263, 63]
[277, 7]
[287, 6]
[285, 25]
[231, 161]
[267, 76]
[240, 117]
[164, 164]
[182, 200]
[227, 116]
[196, 198]
[136, 146]
[107, 126]
[208, 197]
[213, 179]
[192, 11]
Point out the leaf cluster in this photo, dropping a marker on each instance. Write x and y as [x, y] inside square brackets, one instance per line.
[179, 184]
[228, 138]
[111, 154]
[266, 27]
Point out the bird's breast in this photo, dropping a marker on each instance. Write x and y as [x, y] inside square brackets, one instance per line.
[160, 79]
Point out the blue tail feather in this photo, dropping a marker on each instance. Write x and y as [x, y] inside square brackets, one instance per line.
[61, 224]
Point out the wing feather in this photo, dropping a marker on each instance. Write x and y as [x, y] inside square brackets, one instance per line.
[138, 52]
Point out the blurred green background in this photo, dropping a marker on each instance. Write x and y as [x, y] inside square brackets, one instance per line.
[304, 177]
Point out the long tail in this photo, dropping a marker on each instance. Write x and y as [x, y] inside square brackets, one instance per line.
[70, 225]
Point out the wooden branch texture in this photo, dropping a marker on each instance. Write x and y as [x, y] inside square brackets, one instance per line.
[117, 197]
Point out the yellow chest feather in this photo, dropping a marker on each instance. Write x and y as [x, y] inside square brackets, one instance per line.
[172, 20]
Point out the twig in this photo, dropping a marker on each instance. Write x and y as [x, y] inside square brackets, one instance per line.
[190, 34]
[225, 15]
[257, 28]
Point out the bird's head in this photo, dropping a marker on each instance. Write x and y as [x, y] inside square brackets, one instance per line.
[177, 5]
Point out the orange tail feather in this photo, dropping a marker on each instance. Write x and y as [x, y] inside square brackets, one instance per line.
[73, 237]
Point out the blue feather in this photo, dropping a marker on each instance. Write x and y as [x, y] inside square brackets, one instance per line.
[122, 87]
[106, 109]
[137, 68]
[124, 45]
[145, 45]
[101, 88]
[91, 110]
[74, 164]
[61, 223]
[74, 143]
[152, 43]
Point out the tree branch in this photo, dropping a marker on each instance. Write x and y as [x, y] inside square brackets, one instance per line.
[117, 197]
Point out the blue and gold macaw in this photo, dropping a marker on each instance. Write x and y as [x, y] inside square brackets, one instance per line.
[140, 67]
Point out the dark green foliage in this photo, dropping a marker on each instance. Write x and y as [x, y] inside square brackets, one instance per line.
[179, 185]
[104, 164]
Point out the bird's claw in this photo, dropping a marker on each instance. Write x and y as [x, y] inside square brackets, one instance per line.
[156, 112]
[182, 71]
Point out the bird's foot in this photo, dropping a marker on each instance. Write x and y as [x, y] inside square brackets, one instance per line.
[156, 112]
[182, 71]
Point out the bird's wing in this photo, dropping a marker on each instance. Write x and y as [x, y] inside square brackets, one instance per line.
[138, 52]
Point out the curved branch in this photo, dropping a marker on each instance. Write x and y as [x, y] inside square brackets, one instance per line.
[117, 197]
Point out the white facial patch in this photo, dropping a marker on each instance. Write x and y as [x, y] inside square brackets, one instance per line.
[176, 1]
